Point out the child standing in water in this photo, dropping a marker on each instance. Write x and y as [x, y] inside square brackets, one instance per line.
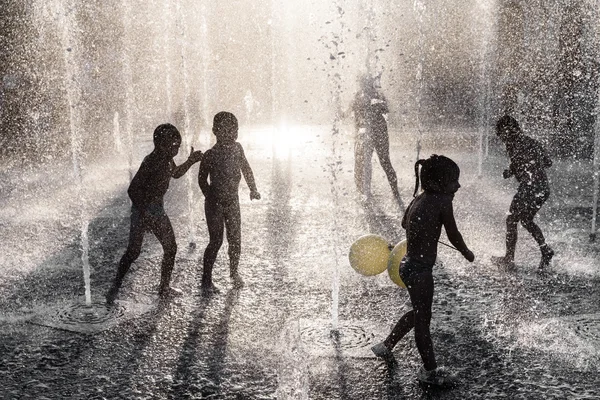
[146, 191]
[423, 221]
[528, 161]
[224, 163]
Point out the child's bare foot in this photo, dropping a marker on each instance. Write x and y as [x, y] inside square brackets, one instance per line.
[111, 295]
[238, 282]
[437, 377]
[547, 254]
[169, 292]
[209, 290]
[504, 262]
[381, 351]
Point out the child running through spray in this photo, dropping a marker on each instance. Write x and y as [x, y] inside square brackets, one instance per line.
[224, 163]
[423, 221]
[146, 191]
[528, 161]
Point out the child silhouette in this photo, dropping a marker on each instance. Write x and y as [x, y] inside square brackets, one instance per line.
[423, 221]
[146, 192]
[528, 161]
[224, 164]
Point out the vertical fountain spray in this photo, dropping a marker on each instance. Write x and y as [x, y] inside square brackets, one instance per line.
[419, 8]
[70, 48]
[483, 12]
[335, 159]
[187, 131]
[205, 54]
[117, 133]
[168, 20]
[596, 159]
[596, 172]
[128, 81]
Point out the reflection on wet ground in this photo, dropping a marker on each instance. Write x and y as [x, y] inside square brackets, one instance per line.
[507, 334]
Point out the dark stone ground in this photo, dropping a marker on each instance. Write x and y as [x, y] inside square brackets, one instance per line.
[501, 332]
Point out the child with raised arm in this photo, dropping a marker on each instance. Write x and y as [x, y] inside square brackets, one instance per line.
[146, 192]
[224, 164]
[423, 221]
[528, 162]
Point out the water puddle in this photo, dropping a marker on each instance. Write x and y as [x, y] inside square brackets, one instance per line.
[83, 318]
[353, 338]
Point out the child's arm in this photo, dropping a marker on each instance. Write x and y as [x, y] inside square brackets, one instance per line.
[545, 160]
[180, 170]
[248, 174]
[203, 176]
[404, 223]
[507, 173]
[452, 231]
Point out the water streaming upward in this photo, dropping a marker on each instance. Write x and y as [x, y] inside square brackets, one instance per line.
[128, 78]
[335, 162]
[596, 169]
[419, 8]
[168, 19]
[205, 52]
[117, 133]
[187, 131]
[483, 12]
[70, 48]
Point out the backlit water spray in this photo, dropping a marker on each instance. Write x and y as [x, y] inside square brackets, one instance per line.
[70, 48]
[187, 131]
[128, 80]
[485, 12]
[335, 159]
[419, 8]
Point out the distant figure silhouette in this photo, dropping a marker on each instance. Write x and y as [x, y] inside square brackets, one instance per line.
[370, 110]
[224, 163]
[528, 162]
[423, 221]
[146, 192]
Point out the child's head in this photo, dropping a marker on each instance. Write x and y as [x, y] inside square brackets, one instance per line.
[439, 174]
[225, 127]
[507, 128]
[167, 139]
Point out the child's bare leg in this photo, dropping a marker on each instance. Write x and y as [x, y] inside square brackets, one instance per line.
[363, 152]
[234, 242]
[163, 230]
[402, 327]
[536, 232]
[214, 220]
[511, 237]
[134, 247]
[383, 154]
[421, 296]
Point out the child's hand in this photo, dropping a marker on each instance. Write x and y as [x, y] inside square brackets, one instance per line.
[195, 156]
[254, 195]
[506, 174]
[469, 256]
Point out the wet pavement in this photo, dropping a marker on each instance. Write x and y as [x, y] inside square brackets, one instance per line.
[513, 335]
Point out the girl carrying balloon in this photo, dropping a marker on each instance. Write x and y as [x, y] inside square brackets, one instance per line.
[423, 221]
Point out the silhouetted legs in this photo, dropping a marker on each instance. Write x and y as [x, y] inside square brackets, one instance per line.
[382, 147]
[523, 208]
[368, 141]
[220, 218]
[420, 290]
[363, 153]
[157, 222]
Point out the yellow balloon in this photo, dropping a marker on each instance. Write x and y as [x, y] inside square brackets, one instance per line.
[393, 266]
[369, 255]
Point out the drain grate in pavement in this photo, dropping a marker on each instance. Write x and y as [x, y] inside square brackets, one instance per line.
[351, 339]
[81, 318]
